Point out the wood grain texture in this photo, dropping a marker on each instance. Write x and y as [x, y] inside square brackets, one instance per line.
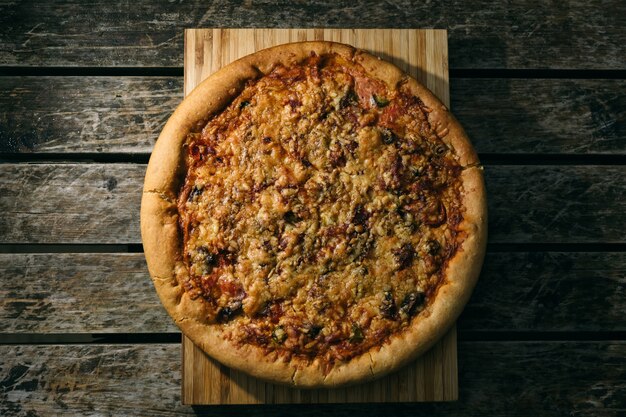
[64, 203]
[556, 204]
[547, 292]
[529, 34]
[126, 114]
[99, 203]
[542, 115]
[423, 54]
[79, 293]
[89, 380]
[85, 114]
[517, 292]
[431, 377]
[496, 378]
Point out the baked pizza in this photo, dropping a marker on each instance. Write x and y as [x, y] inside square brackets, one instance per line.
[313, 216]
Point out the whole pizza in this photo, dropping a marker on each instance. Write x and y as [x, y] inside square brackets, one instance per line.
[313, 216]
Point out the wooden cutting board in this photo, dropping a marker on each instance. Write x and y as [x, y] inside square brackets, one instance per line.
[423, 53]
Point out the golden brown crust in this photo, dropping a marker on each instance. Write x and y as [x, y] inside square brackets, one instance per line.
[163, 241]
[446, 125]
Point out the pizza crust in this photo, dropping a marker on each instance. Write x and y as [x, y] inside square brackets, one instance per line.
[163, 241]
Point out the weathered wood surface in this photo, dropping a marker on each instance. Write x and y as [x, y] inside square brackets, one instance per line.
[482, 34]
[90, 380]
[549, 291]
[542, 115]
[79, 293]
[517, 291]
[126, 114]
[99, 203]
[496, 378]
[556, 204]
[85, 114]
[70, 203]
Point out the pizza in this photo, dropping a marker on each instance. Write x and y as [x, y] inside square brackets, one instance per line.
[313, 216]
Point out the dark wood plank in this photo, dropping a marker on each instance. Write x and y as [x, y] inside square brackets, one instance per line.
[99, 203]
[542, 116]
[79, 293]
[126, 114]
[85, 114]
[517, 291]
[511, 378]
[548, 291]
[70, 203]
[556, 204]
[90, 380]
[482, 34]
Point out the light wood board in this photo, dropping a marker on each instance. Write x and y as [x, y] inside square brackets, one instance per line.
[423, 53]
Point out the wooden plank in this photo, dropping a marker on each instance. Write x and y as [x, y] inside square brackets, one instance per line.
[85, 114]
[556, 204]
[99, 203]
[79, 293]
[70, 203]
[126, 114]
[424, 55]
[517, 291]
[579, 35]
[549, 291]
[542, 115]
[89, 380]
[497, 378]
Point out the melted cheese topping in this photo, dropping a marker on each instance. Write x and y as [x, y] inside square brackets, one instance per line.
[318, 212]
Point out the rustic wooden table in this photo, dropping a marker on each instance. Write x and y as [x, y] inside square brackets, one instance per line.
[85, 89]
